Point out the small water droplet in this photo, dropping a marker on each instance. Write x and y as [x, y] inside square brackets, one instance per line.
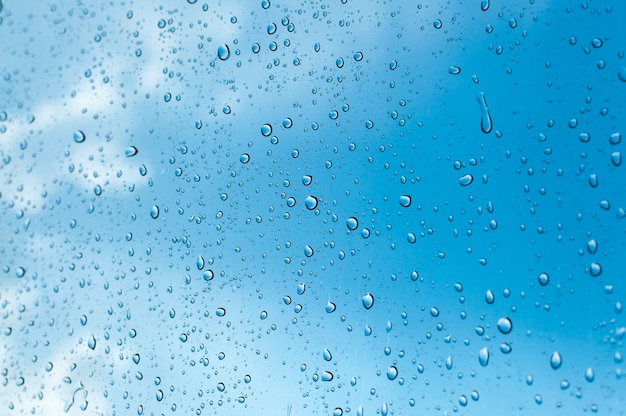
[154, 211]
[489, 297]
[308, 251]
[392, 372]
[327, 355]
[590, 376]
[220, 312]
[327, 376]
[543, 278]
[484, 5]
[91, 342]
[330, 307]
[454, 70]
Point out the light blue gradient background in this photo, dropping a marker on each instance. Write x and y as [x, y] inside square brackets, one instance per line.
[104, 257]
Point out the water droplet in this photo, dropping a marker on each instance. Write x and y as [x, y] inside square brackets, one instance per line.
[505, 348]
[454, 70]
[505, 325]
[449, 362]
[327, 376]
[592, 246]
[555, 360]
[183, 337]
[383, 409]
[615, 138]
[310, 202]
[263, 315]
[437, 24]
[466, 179]
[154, 211]
[484, 5]
[595, 269]
[220, 312]
[485, 118]
[392, 372]
[223, 52]
[368, 300]
[200, 263]
[208, 275]
[301, 288]
[352, 223]
[330, 307]
[91, 342]
[266, 129]
[159, 395]
[411, 238]
[590, 375]
[79, 136]
[287, 299]
[131, 151]
[489, 297]
[483, 356]
[405, 201]
[327, 355]
[621, 74]
[244, 158]
[308, 251]
[265, 4]
[434, 312]
[544, 279]
[393, 65]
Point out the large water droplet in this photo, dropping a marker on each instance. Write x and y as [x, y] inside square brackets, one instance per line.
[485, 118]
[590, 375]
[330, 307]
[555, 360]
[505, 325]
[352, 223]
[79, 136]
[223, 52]
[392, 372]
[483, 356]
[405, 200]
[484, 5]
[595, 269]
[327, 355]
[466, 179]
[310, 202]
[154, 211]
[131, 151]
[368, 300]
[543, 278]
